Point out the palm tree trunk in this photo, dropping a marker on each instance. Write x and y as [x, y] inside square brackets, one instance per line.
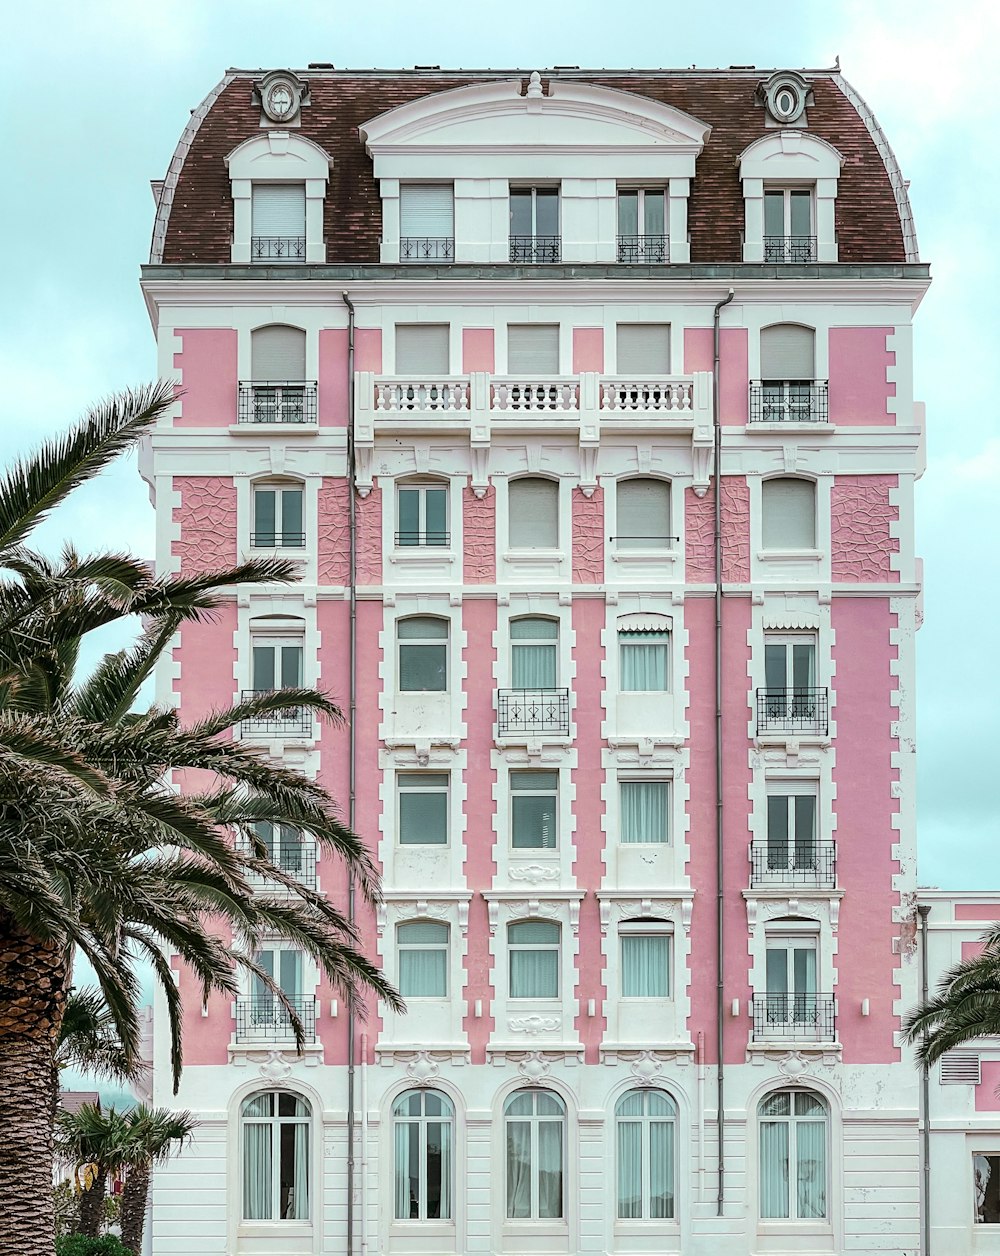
[134, 1207]
[92, 1205]
[32, 995]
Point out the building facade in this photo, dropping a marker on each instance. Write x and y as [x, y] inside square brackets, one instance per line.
[583, 402]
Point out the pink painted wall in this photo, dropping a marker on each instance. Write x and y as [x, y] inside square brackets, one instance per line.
[333, 383]
[859, 390]
[699, 529]
[977, 911]
[479, 529]
[207, 521]
[478, 353]
[987, 1099]
[863, 776]
[588, 808]
[588, 349]
[479, 621]
[734, 369]
[972, 950]
[368, 349]
[588, 537]
[207, 363]
[860, 519]
[369, 538]
[333, 557]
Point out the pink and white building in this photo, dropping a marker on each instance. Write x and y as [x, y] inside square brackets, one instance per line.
[583, 402]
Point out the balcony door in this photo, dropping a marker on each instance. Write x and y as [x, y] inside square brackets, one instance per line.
[277, 664]
[791, 980]
[534, 224]
[790, 671]
[534, 644]
[791, 833]
[268, 1016]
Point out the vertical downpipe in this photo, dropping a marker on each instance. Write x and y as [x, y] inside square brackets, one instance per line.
[352, 747]
[924, 910]
[719, 860]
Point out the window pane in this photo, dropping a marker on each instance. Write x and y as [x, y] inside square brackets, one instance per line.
[643, 661]
[264, 515]
[550, 1169]
[986, 1182]
[661, 1169]
[423, 628]
[533, 509]
[789, 514]
[810, 1146]
[643, 811]
[527, 932]
[801, 217]
[803, 664]
[533, 822]
[655, 220]
[426, 209]
[534, 974]
[644, 966]
[263, 667]
[773, 1169]
[436, 500]
[423, 668]
[787, 352]
[520, 211]
[291, 666]
[534, 629]
[629, 1169]
[547, 211]
[257, 1172]
[643, 508]
[423, 817]
[533, 666]
[409, 516]
[774, 213]
[278, 352]
[418, 932]
[519, 1193]
[291, 515]
[278, 209]
[628, 213]
[423, 974]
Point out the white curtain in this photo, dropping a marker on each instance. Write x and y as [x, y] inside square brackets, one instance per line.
[550, 1168]
[299, 1203]
[629, 1168]
[643, 661]
[644, 966]
[518, 1168]
[407, 1170]
[423, 960]
[534, 975]
[774, 1169]
[643, 811]
[661, 1169]
[257, 1171]
[810, 1145]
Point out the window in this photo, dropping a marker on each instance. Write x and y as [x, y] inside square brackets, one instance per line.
[534, 1127]
[986, 1183]
[642, 225]
[533, 350]
[533, 513]
[266, 1017]
[643, 350]
[424, 1138]
[645, 807]
[279, 391]
[423, 654]
[422, 513]
[278, 353]
[791, 698]
[643, 661]
[533, 952]
[646, 1122]
[278, 222]
[793, 1155]
[275, 1128]
[286, 847]
[533, 814]
[534, 648]
[426, 222]
[534, 225]
[788, 514]
[645, 959]
[277, 663]
[423, 960]
[791, 830]
[643, 514]
[789, 664]
[791, 982]
[422, 350]
[788, 391]
[277, 517]
[788, 225]
[423, 808]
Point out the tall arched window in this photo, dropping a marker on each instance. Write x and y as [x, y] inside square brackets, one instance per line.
[534, 1132]
[274, 1128]
[788, 513]
[423, 1123]
[643, 508]
[534, 649]
[533, 513]
[794, 1136]
[646, 1122]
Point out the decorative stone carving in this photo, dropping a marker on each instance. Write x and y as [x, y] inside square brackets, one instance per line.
[534, 1024]
[794, 1065]
[534, 1067]
[422, 1069]
[646, 1067]
[275, 1068]
[533, 873]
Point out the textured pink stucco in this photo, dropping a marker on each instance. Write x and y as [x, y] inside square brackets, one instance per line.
[987, 1099]
[368, 518]
[860, 517]
[479, 621]
[588, 537]
[977, 911]
[588, 349]
[699, 530]
[734, 369]
[859, 390]
[478, 352]
[588, 808]
[368, 349]
[207, 521]
[863, 778]
[479, 543]
[333, 382]
[333, 558]
[207, 363]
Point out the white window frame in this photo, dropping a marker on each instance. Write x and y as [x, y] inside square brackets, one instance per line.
[275, 1123]
[662, 545]
[534, 1119]
[625, 632]
[518, 551]
[767, 549]
[422, 1120]
[280, 537]
[422, 488]
[793, 1122]
[534, 189]
[278, 155]
[644, 929]
[520, 791]
[976, 1220]
[277, 641]
[555, 946]
[408, 782]
[410, 642]
[667, 783]
[437, 947]
[645, 1121]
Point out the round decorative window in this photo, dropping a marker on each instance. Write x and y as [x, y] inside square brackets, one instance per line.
[281, 95]
[785, 96]
[786, 102]
[280, 100]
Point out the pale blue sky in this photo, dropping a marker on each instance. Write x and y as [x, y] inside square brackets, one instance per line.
[98, 94]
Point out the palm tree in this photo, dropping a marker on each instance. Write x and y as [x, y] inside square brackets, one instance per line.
[153, 1133]
[94, 1141]
[88, 1042]
[96, 851]
[965, 1006]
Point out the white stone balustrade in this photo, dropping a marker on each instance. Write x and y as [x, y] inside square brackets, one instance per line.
[668, 395]
[541, 396]
[399, 395]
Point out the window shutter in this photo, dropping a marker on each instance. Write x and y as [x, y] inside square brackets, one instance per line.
[533, 507]
[426, 209]
[422, 351]
[643, 349]
[278, 353]
[279, 209]
[533, 349]
[643, 514]
[961, 1068]
[789, 514]
[787, 351]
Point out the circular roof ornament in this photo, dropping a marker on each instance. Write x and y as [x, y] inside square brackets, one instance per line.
[785, 95]
[281, 95]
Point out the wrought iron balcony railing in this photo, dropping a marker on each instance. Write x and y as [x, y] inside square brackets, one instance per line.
[537, 248]
[644, 248]
[533, 711]
[790, 401]
[292, 721]
[789, 248]
[809, 864]
[793, 711]
[277, 248]
[267, 1019]
[295, 859]
[794, 1018]
[277, 540]
[426, 248]
[277, 401]
[408, 540]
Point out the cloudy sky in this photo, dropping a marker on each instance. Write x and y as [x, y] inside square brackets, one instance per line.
[97, 95]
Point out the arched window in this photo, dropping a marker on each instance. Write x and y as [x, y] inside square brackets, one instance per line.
[278, 515]
[643, 514]
[534, 1131]
[788, 373]
[422, 947]
[274, 1128]
[423, 1123]
[794, 1135]
[533, 513]
[788, 513]
[279, 388]
[422, 514]
[534, 649]
[646, 1122]
[533, 947]
[423, 654]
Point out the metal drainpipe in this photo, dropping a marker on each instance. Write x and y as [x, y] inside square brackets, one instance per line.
[924, 910]
[719, 861]
[352, 746]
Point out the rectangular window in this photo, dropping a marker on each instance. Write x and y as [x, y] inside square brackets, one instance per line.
[533, 947]
[788, 513]
[645, 963]
[426, 222]
[643, 350]
[423, 960]
[533, 810]
[533, 349]
[791, 831]
[643, 661]
[643, 515]
[278, 222]
[642, 225]
[284, 967]
[534, 224]
[277, 518]
[788, 225]
[422, 350]
[423, 654]
[533, 513]
[789, 663]
[644, 812]
[534, 652]
[422, 515]
[791, 975]
[986, 1184]
[423, 808]
[277, 664]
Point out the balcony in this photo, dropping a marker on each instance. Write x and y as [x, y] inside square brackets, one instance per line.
[399, 395]
[793, 711]
[790, 401]
[536, 248]
[532, 711]
[267, 1020]
[664, 396]
[794, 1018]
[277, 401]
[295, 859]
[651, 249]
[540, 396]
[293, 721]
[789, 248]
[808, 865]
[426, 248]
[277, 248]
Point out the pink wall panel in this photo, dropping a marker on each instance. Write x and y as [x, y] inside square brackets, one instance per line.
[207, 362]
[479, 546]
[333, 382]
[987, 1099]
[859, 391]
[368, 349]
[588, 537]
[477, 350]
[699, 528]
[977, 911]
[697, 349]
[860, 519]
[734, 369]
[588, 349]
[206, 1038]
[368, 517]
[207, 521]
[699, 537]
[972, 950]
[333, 558]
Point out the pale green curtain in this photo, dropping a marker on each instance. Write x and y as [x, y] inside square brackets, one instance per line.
[534, 971]
[518, 1168]
[550, 1168]
[643, 661]
[661, 1169]
[645, 971]
[643, 811]
[423, 960]
[407, 1171]
[533, 653]
[257, 1171]
[629, 1167]
[774, 1169]
[299, 1203]
[439, 1170]
[810, 1146]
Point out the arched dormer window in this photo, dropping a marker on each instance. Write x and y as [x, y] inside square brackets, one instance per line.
[790, 191]
[278, 181]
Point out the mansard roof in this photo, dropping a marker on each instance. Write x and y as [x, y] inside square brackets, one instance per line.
[722, 109]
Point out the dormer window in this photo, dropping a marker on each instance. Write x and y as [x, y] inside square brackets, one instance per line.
[278, 222]
[534, 225]
[426, 222]
[642, 225]
[788, 225]
[789, 182]
[279, 182]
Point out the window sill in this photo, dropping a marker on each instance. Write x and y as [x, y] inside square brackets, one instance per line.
[421, 1229]
[287, 1229]
[803, 425]
[633, 557]
[790, 555]
[528, 557]
[268, 429]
